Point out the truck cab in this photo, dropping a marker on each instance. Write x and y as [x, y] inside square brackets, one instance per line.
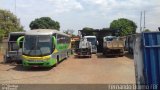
[93, 41]
[83, 48]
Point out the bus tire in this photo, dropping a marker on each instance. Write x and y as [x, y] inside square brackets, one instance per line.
[56, 63]
[67, 54]
[57, 59]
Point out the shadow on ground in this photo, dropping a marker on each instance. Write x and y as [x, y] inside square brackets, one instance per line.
[130, 56]
[19, 67]
[82, 57]
[100, 55]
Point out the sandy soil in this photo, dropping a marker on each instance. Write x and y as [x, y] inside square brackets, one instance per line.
[95, 70]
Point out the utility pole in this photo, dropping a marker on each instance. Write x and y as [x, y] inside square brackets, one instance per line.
[142, 28]
[141, 22]
[144, 21]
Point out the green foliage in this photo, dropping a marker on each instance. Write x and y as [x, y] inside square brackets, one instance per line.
[125, 26]
[9, 22]
[44, 23]
[147, 30]
[88, 31]
[1, 35]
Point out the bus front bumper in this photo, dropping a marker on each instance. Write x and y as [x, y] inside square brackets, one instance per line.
[38, 63]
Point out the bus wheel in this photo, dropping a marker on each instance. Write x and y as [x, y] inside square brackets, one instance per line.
[57, 61]
[67, 54]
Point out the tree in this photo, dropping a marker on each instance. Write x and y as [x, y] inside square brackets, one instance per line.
[44, 23]
[69, 32]
[88, 31]
[125, 26]
[1, 35]
[9, 23]
[147, 30]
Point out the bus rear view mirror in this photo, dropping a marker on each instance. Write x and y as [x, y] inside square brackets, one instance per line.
[19, 41]
[54, 41]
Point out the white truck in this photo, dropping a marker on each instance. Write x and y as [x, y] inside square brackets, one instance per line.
[93, 41]
[83, 48]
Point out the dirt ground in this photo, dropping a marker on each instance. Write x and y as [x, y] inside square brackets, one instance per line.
[95, 70]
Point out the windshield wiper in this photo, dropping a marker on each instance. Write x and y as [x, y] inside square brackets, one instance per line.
[40, 50]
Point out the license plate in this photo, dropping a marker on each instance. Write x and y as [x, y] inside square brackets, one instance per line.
[35, 60]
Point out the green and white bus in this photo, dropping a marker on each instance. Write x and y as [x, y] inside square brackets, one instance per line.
[44, 47]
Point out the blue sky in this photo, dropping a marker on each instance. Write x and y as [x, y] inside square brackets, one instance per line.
[76, 14]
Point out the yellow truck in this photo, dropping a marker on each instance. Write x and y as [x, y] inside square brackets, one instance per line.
[113, 45]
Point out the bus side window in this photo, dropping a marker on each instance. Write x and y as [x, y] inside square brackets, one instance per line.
[59, 39]
[67, 40]
[63, 39]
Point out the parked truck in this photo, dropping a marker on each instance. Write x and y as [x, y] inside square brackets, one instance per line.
[83, 48]
[113, 45]
[129, 42]
[93, 41]
[13, 51]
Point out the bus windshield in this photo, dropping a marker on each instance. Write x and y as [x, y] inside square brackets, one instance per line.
[92, 40]
[38, 45]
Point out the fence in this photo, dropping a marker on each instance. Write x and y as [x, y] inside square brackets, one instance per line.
[147, 60]
[3, 46]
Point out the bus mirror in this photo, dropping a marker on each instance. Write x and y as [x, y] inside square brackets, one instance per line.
[54, 40]
[19, 41]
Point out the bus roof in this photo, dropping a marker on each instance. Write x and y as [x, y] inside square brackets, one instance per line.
[44, 32]
[17, 33]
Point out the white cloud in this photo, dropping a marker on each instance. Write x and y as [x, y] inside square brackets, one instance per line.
[78, 13]
[114, 9]
[111, 5]
[61, 6]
